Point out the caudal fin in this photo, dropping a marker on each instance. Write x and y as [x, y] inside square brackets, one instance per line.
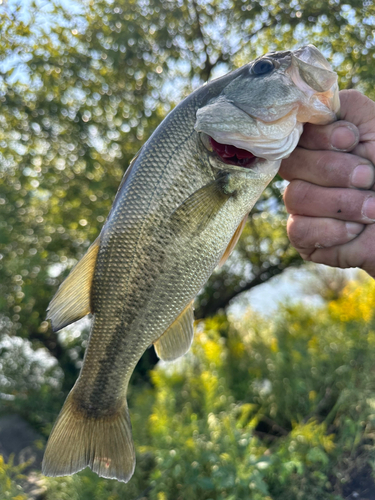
[103, 444]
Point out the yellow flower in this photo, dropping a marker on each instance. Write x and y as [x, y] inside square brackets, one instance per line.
[356, 303]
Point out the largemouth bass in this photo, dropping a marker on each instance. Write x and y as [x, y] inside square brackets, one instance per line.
[178, 213]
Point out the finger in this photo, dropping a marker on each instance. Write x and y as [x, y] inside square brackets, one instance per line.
[337, 136]
[328, 168]
[303, 198]
[356, 108]
[360, 110]
[356, 253]
[307, 234]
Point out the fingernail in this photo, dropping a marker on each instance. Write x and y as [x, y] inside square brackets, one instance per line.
[354, 228]
[343, 138]
[362, 176]
[368, 209]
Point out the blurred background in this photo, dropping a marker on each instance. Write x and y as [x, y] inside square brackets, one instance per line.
[276, 400]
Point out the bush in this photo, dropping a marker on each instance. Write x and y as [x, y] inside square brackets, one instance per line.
[10, 476]
[277, 408]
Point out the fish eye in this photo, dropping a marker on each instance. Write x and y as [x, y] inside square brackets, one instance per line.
[263, 67]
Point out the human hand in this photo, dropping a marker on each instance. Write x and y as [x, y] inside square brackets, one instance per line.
[331, 198]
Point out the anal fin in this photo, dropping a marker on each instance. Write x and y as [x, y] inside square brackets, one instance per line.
[72, 300]
[233, 241]
[176, 341]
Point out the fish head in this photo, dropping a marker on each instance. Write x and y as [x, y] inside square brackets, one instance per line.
[259, 110]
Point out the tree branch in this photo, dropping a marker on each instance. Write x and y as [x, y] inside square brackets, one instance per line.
[263, 275]
[248, 37]
[209, 67]
[206, 71]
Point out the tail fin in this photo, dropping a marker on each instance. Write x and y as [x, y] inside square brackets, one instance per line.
[103, 444]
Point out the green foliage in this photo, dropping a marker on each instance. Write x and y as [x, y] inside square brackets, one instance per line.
[83, 87]
[10, 476]
[267, 409]
[280, 409]
[30, 382]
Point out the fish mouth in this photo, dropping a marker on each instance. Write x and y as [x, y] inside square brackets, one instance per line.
[229, 154]
[269, 141]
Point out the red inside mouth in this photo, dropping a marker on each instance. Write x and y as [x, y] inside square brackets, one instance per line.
[232, 155]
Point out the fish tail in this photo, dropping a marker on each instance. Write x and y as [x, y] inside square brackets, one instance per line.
[104, 444]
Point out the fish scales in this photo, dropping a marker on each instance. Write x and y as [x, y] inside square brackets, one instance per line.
[165, 162]
[179, 210]
[172, 287]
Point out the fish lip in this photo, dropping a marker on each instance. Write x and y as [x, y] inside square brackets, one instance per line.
[260, 114]
[274, 151]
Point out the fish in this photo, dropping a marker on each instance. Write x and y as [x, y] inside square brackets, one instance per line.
[178, 213]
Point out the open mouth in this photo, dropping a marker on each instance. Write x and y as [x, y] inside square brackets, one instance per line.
[232, 155]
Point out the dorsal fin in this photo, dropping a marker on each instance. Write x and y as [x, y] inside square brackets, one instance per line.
[72, 299]
[176, 341]
[233, 241]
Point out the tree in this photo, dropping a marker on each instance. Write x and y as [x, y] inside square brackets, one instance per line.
[81, 93]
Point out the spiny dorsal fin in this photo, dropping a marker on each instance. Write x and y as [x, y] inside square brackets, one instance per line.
[176, 341]
[79, 440]
[72, 299]
[233, 241]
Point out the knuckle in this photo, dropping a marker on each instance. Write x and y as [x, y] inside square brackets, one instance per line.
[324, 137]
[299, 229]
[316, 136]
[295, 196]
[297, 165]
[343, 260]
[286, 166]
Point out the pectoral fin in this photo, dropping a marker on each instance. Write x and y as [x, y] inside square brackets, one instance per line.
[176, 341]
[233, 241]
[196, 211]
[72, 300]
